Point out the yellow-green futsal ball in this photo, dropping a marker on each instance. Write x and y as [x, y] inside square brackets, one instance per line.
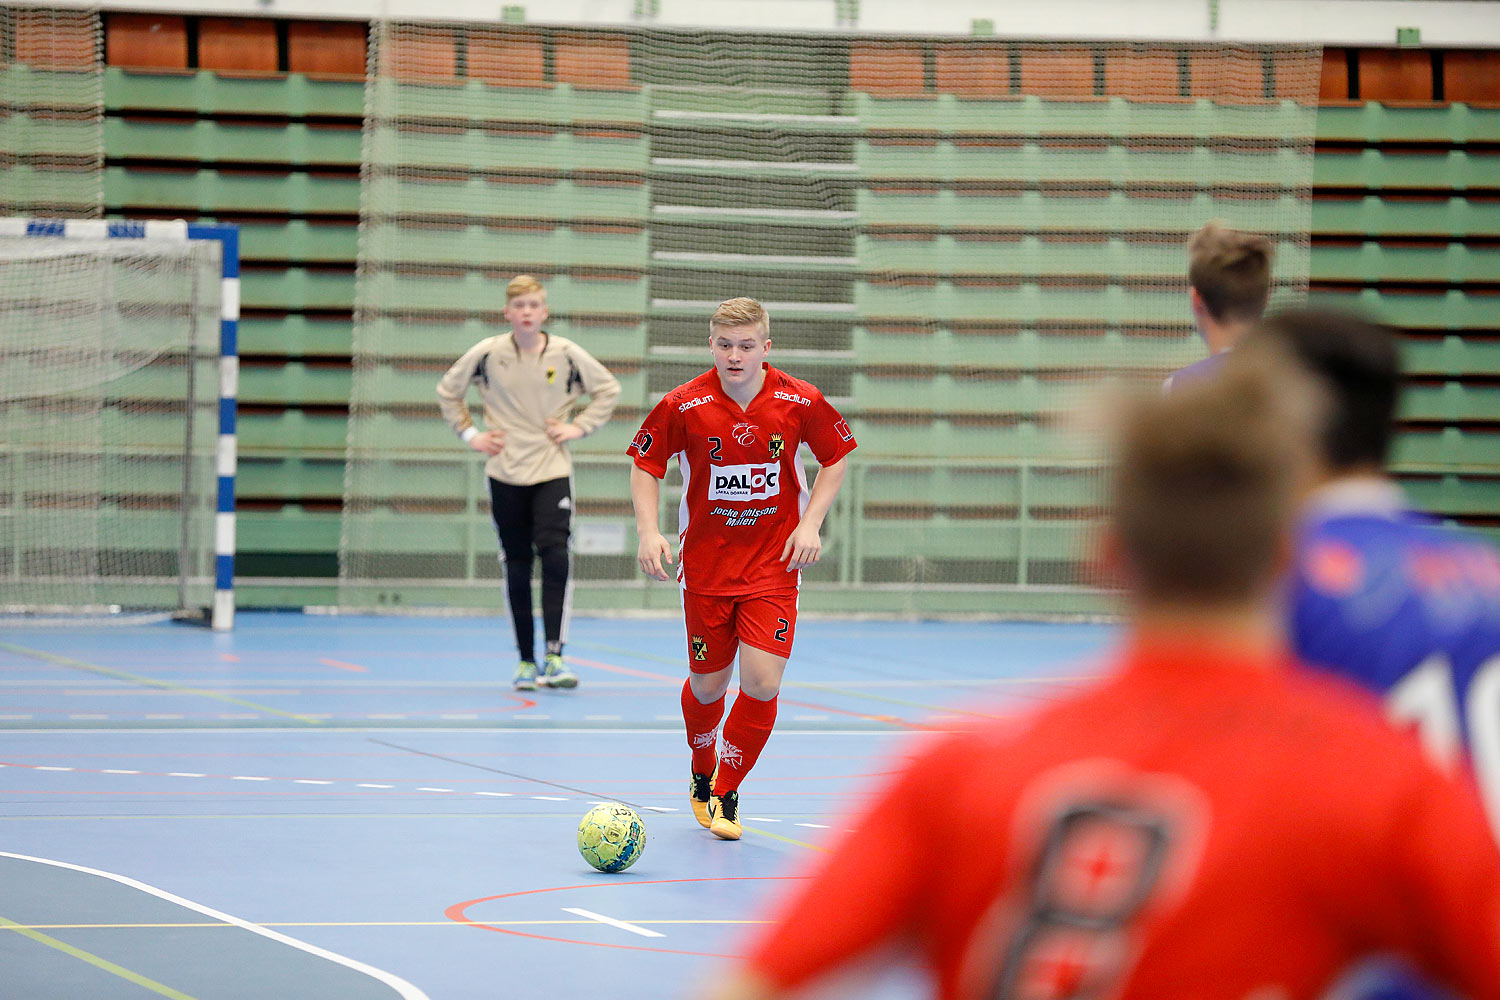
[611, 837]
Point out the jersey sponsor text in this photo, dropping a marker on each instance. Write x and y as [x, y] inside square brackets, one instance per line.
[744, 482]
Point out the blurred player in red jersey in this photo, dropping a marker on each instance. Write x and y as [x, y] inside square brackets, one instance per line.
[1205, 823]
[747, 527]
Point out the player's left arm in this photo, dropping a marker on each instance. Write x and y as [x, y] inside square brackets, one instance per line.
[603, 391]
[831, 440]
[804, 546]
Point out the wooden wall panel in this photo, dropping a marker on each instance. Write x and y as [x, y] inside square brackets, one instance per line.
[1057, 71]
[513, 59]
[1472, 76]
[592, 60]
[57, 40]
[879, 68]
[327, 48]
[237, 43]
[973, 70]
[146, 41]
[1395, 75]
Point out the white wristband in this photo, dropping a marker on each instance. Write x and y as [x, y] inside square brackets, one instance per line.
[469, 433]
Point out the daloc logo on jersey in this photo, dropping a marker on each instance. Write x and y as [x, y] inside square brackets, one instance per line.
[777, 446]
[700, 648]
[744, 482]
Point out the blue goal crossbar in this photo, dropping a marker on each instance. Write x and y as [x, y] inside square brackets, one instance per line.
[222, 613]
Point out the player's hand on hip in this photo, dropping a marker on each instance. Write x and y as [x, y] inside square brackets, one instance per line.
[560, 433]
[802, 549]
[652, 550]
[489, 443]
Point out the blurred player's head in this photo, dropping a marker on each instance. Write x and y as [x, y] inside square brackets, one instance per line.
[739, 335]
[525, 304]
[1230, 275]
[1205, 485]
[1358, 365]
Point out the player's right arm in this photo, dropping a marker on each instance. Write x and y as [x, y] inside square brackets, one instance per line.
[452, 389]
[645, 495]
[659, 438]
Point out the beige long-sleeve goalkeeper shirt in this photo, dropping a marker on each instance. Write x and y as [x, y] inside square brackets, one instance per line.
[520, 394]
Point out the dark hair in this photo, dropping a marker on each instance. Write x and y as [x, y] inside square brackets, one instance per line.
[1206, 481]
[1359, 366]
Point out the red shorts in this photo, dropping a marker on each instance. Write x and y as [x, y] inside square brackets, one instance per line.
[718, 623]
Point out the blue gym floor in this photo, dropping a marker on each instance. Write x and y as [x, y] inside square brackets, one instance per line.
[334, 807]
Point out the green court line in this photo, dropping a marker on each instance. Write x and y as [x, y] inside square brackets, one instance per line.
[94, 960]
[94, 668]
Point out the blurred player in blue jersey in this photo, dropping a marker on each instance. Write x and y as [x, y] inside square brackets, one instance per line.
[1381, 594]
[1230, 277]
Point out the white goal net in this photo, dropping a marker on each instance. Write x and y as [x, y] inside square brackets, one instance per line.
[109, 384]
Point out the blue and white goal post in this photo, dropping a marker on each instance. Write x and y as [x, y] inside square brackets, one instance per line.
[104, 327]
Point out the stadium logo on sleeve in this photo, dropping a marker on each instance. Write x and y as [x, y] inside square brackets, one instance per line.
[696, 401]
[738, 483]
[642, 442]
[792, 397]
[700, 648]
[778, 444]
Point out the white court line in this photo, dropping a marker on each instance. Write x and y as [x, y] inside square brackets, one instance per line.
[406, 990]
[310, 781]
[185, 774]
[632, 928]
[372, 785]
[548, 798]
[42, 767]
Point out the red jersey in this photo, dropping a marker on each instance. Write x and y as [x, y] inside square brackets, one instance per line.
[743, 487]
[1206, 824]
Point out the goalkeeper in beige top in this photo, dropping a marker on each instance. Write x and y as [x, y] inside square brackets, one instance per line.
[530, 382]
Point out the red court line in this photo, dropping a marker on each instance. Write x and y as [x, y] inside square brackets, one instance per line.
[343, 665]
[457, 912]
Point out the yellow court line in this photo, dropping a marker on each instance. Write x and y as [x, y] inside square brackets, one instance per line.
[94, 668]
[5, 924]
[785, 840]
[94, 960]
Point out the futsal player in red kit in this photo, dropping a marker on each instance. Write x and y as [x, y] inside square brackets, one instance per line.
[747, 526]
[1207, 822]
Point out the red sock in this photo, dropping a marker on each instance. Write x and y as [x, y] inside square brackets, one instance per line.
[745, 734]
[702, 728]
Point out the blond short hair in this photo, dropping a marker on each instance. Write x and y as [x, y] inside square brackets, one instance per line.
[1207, 480]
[741, 311]
[1231, 271]
[523, 284]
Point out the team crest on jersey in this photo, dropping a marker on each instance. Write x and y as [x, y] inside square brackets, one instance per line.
[642, 442]
[551, 375]
[700, 648]
[778, 444]
[744, 434]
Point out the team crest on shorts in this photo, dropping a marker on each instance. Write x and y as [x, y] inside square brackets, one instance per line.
[778, 444]
[551, 375]
[700, 648]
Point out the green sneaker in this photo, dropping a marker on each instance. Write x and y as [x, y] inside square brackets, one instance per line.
[555, 673]
[525, 677]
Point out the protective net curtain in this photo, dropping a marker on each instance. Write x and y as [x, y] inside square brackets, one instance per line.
[51, 113]
[956, 240]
